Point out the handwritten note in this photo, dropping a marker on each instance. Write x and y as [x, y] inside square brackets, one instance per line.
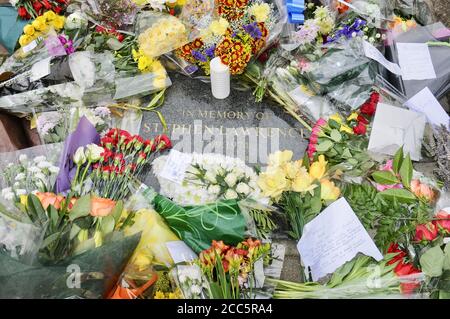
[415, 61]
[180, 252]
[425, 102]
[333, 238]
[176, 165]
[372, 53]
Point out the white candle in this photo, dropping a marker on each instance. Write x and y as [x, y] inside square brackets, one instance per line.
[220, 79]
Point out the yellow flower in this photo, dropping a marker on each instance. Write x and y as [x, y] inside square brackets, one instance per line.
[317, 169]
[144, 63]
[39, 24]
[303, 182]
[279, 158]
[352, 116]
[141, 261]
[219, 27]
[49, 15]
[28, 30]
[24, 40]
[292, 169]
[159, 295]
[336, 117]
[346, 128]
[273, 183]
[135, 54]
[24, 200]
[58, 22]
[159, 83]
[328, 190]
[181, 2]
[260, 11]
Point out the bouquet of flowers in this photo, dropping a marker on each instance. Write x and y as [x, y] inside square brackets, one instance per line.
[299, 187]
[229, 270]
[239, 33]
[28, 9]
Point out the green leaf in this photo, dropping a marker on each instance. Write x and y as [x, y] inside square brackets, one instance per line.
[114, 44]
[346, 154]
[406, 171]
[107, 224]
[398, 159]
[324, 146]
[402, 195]
[335, 135]
[117, 211]
[81, 208]
[50, 239]
[385, 178]
[54, 216]
[432, 261]
[446, 265]
[305, 161]
[37, 212]
[74, 231]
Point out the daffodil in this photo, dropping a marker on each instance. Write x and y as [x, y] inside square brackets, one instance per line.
[279, 158]
[345, 128]
[260, 11]
[352, 116]
[328, 191]
[303, 182]
[273, 183]
[318, 168]
[336, 117]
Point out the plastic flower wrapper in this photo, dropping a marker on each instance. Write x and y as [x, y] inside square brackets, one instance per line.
[99, 116]
[110, 13]
[197, 226]
[91, 274]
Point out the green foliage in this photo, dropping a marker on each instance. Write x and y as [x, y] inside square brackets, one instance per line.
[264, 222]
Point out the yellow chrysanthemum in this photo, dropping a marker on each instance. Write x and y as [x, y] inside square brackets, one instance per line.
[328, 191]
[159, 295]
[260, 11]
[28, 30]
[318, 168]
[219, 27]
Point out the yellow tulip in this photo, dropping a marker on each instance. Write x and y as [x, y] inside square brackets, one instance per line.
[328, 190]
[336, 117]
[24, 200]
[273, 183]
[49, 15]
[352, 116]
[28, 30]
[346, 129]
[39, 24]
[318, 168]
[58, 22]
[303, 182]
[279, 158]
[24, 40]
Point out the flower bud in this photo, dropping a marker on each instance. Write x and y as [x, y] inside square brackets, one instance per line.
[79, 158]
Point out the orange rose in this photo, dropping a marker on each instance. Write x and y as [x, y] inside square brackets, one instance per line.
[101, 207]
[48, 199]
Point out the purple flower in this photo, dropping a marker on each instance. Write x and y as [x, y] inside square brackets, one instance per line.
[67, 43]
[199, 56]
[210, 51]
[253, 30]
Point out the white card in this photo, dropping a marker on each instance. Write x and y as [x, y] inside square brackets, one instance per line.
[176, 166]
[372, 53]
[415, 61]
[30, 46]
[300, 95]
[40, 69]
[425, 102]
[180, 252]
[333, 238]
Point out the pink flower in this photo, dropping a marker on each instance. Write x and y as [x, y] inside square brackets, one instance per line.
[321, 122]
[313, 139]
[426, 232]
[381, 188]
[422, 190]
[388, 166]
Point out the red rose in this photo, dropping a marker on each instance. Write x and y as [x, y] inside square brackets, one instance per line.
[404, 269]
[120, 37]
[37, 5]
[408, 288]
[362, 119]
[375, 97]
[101, 29]
[400, 254]
[46, 4]
[444, 222]
[61, 1]
[360, 129]
[57, 10]
[368, 108]
[172, 12]
[427, 232]
[22, 12]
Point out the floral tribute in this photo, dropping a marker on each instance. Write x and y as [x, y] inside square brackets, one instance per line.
[28, 9]
[239, 33]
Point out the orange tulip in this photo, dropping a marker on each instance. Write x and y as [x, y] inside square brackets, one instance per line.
[48, 199]
[101, 207]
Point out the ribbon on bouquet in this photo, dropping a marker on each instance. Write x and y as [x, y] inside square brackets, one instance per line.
[295, 10]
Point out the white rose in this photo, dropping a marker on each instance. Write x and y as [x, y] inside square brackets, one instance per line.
[210, 176]
[214, 189]
[231, 194]
[231, 179]
[243, 188]
[79, 158]
[75, 21]
[93, 152]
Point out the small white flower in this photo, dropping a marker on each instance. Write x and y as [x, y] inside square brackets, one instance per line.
[10, 165]
[8, 196]
[93, 152]
[196, 290]
[20, 192]
[371, 40]
[6, 190]
[214, 189]
[230, 194]
[79, 158]
[34, 169]
[383, 36]
[378, 36]
[23, 158]
[182, 278]
[53, 169]
[44, 164]
[20, 177]
[353, 34]
[243, 188]
[38, 159]
[16, 185]
[231, 179]
[40, 176]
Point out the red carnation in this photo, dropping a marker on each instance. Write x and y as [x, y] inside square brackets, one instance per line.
[46, 4]
[368, 108]
[362, 119]
[162, 142]
[404, 269]
[37, 5]
[57, 10]
[426, 232]
[443, 222]
[120, 37]
[360, 129]
[375, 97]
[22, 12]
